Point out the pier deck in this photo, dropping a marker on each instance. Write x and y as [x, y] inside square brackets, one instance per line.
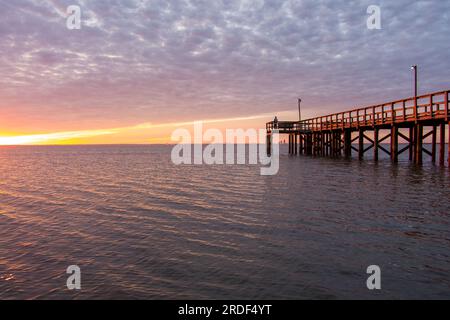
[332, 135]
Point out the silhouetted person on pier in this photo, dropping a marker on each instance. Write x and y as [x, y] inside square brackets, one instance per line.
[275, 123]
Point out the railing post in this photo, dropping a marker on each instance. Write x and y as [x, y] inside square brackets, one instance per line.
[446, 105]
[373, 116]
[404, 110]
[431, 106]
[394, 114]
[415, 109]
[357, 117]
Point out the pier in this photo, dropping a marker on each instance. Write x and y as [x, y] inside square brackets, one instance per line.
[372, 129]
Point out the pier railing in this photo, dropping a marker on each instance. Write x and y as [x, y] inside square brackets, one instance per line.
[286, 126]
[425, 107]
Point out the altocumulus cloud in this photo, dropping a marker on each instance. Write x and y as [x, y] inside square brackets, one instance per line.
[136, 60]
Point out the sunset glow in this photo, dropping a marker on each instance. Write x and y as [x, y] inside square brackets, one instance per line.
[141, 133]
[51, 137]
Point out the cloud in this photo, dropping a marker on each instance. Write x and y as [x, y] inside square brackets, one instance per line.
[166, 61]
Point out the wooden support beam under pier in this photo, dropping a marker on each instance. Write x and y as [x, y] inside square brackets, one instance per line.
[442, 144]
[411, 143]
[433, 144]
[419, 144]
[348, 143]
[361, 144]
[376, 134]
[394, 143]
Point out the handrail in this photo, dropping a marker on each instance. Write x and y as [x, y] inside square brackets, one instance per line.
[404, 110]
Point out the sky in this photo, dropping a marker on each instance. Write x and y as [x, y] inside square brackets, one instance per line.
[138, 69]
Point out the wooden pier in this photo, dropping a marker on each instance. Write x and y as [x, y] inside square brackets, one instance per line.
[333, 135]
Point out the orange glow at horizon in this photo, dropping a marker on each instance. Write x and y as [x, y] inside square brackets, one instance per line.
[145, 133]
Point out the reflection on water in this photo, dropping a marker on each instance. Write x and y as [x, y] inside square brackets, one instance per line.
[140, 227]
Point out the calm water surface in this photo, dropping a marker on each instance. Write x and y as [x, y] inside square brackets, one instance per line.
[140, 227]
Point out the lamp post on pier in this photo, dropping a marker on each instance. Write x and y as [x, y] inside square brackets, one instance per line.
[299, 110]
[416, 87]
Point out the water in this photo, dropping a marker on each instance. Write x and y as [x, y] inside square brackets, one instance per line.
[140, 227]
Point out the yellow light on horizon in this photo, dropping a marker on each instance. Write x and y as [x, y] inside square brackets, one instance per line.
[50, 137]
[140, 133]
